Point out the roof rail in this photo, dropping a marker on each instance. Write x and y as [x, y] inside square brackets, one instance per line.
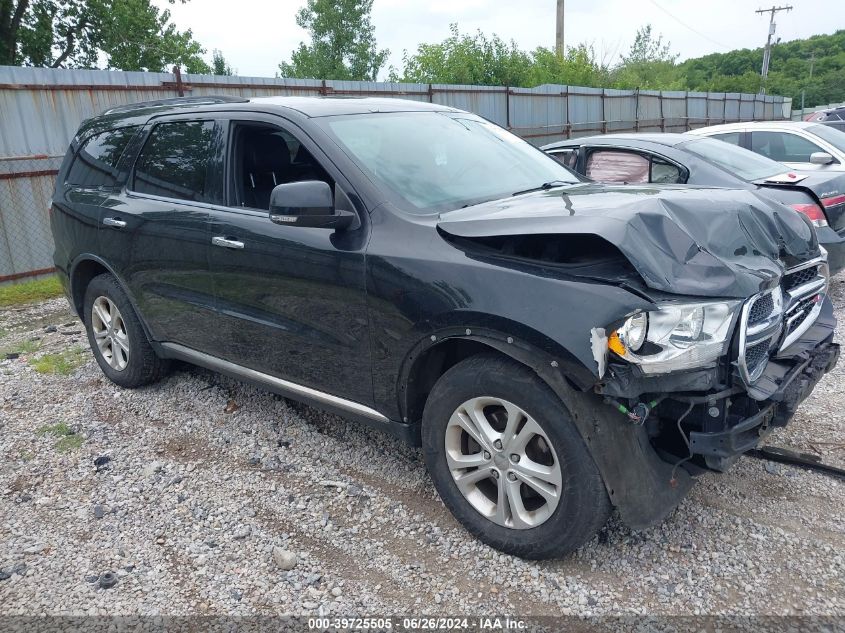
[176, 101]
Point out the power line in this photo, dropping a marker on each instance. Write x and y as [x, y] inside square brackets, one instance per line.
[684, 24]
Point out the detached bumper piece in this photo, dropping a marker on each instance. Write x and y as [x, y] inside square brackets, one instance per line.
[735, 440]
[721, 447]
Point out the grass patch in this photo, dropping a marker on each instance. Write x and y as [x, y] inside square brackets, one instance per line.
[27, 347]
[68, 439]
[30, 291]
[24, 347]
[63, 363]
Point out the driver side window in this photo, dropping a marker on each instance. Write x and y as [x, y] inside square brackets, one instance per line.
[264, 156]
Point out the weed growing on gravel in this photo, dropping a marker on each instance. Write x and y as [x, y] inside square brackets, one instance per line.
[63, 363]
[24, 347]
[27, 347]
[69, 440]
[30, 291]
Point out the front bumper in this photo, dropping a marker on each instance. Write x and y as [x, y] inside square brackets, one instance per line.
[794, 388]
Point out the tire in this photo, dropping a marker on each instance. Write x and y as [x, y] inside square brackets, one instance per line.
[530, 525]
[123, 353]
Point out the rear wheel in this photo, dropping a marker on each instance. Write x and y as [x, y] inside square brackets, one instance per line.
[508, 462]
[116, 336]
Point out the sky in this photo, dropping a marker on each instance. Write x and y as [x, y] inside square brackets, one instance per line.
[256, 35]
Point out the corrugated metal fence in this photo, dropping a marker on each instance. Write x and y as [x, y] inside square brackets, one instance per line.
[41, 108]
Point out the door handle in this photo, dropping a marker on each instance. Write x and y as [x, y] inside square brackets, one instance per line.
[226, 243]
[115, 222]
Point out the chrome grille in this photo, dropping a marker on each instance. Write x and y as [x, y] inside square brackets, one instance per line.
[756, 358]
[799, 313]
[775, 319]
[761, 309]
[794, 280]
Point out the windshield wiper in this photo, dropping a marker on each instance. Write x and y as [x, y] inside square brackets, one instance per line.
[544, 187]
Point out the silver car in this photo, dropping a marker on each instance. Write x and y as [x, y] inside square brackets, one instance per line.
[801, 145]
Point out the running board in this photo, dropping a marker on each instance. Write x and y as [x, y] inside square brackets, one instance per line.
[180, 352]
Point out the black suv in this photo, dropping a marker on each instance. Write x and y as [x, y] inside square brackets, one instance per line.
[557, 347]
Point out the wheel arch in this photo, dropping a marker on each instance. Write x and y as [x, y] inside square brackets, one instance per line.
[85, 268]
[639, 483]
[433, 355]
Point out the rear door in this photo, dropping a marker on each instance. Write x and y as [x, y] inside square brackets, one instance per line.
[292, 300]
[154, 233]
[91, 177]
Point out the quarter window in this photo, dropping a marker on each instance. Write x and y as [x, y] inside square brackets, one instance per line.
[175, 161]
[566, 157]
[728, 137]
[95, 164]
[783, 147]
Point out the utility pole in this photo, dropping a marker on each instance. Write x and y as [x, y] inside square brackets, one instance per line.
[812, 62]
[767, 53]
[559, 29]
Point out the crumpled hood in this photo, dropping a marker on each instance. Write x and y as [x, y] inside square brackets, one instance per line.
[682, 240]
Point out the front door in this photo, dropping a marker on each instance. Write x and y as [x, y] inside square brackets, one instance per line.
[291, 300]
[155, 232]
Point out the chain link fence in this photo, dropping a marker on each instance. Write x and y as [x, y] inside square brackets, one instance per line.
[26, 187]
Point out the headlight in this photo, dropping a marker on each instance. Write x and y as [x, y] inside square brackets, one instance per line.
[675, 337]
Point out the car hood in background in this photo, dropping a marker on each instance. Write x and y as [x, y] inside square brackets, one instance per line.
[682, 240]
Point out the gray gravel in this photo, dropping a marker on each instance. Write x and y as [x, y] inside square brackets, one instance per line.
[213, 497]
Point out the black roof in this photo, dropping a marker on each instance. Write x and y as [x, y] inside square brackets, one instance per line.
[140, 113]
[311, 107]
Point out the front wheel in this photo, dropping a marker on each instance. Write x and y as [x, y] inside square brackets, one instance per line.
[508, 462]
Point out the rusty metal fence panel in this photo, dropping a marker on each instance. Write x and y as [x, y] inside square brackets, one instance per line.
[41, 109]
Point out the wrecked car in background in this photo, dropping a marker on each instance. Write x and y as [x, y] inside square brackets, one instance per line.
[557, 347]
[692, 160]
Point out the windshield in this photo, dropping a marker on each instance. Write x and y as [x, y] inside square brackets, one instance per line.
[743, 163]
[830, 134]
[439, 161]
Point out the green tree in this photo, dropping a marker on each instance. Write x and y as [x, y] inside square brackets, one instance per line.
[578, 67]
[343, 43]
[219, 65]
[466, 59]
[649, 64]
[789, 72]
[127, 34]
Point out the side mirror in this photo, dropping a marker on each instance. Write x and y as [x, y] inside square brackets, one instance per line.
[821, 158]
[307, 203]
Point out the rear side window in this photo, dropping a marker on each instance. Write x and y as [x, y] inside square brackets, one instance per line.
[728, 137]
[95, 164]
[665, 172]
[617, 167]
[175, 161]
[566, 157]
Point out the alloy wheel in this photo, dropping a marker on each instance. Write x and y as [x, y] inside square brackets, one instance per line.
[503, 462]
[110, 333]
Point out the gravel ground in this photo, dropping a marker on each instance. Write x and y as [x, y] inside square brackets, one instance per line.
[219, 498]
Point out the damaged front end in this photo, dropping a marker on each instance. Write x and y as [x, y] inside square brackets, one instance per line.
[712, 406]
[737, 332]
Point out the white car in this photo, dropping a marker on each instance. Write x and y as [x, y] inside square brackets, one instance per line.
[802, 145]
